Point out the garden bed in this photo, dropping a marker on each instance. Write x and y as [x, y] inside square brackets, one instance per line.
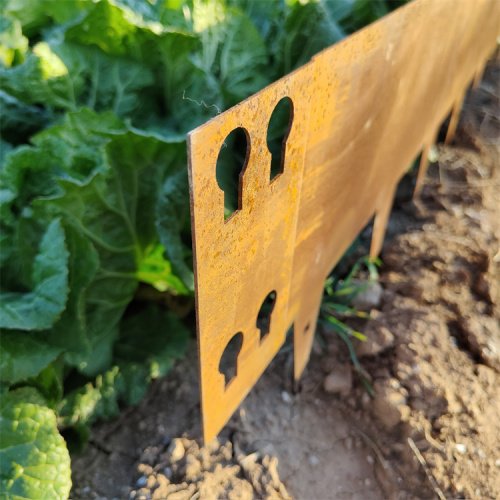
[432, 355]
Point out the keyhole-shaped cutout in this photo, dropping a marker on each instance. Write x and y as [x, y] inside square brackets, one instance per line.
[265, 313]
[231, 164]
[229, 358]
[278, 130]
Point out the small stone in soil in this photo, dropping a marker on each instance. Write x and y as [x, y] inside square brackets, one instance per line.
[142, 481]
[247, 461]
[365, 399]
[388, 404]
[176, 450]
[339, 380]
[348, 443]
[369, 298]
[286, 397]
[313, 460]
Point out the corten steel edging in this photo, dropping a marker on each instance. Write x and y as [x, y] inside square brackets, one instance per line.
[389, 88]
[240, 260]
[363, 109]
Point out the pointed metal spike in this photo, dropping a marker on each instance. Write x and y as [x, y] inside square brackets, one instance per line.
[455, 115]
[380, 223]
[424, 165]
[478, 77]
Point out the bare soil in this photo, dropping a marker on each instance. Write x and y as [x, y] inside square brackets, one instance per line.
[432, 355]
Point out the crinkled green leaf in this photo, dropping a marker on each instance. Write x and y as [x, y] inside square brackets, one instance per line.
[62, 11]
[110, 27]
[42, 306]
[49, 382]
[5, 147]
[136, 381]
[103, 180]
[94, 211]
[65, 76]
[172, 212]
[149, 343]
[24, 355]
[157, 271]
[13, 45]
[267, 17]
[195, 96]
[119, 31]
[26, 173]
[153, 337]
[71, 331]
[115, 83]
[20, 120]
[20, 167]
[229, 65]
[34, 460]
[114, 210]
[43, 78]
[146, 9]
[102, 332]
[309, 29]
[95, 400]
[30, 13]
[243, 57]
[67, 70]
[77, 145]
[367, 11]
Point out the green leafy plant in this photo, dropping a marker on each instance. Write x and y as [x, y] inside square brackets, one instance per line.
[96, 99]
[34, 457]
[336, 305]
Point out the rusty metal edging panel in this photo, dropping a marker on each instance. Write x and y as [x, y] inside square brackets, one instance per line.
[238, 261]
[363, 109]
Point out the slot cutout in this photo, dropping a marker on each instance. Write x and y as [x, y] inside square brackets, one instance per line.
[265, 313]
[228, 361]
[231, 164]
[278, 131]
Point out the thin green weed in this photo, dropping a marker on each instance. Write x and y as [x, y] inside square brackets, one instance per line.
[337, 305]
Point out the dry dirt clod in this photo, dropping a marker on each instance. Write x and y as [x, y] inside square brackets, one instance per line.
[379, 338]
[249, 460]
[209, 472]
[389, 403]
[176, 450]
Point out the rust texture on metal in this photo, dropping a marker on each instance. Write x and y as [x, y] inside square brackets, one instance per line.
[362, 111]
